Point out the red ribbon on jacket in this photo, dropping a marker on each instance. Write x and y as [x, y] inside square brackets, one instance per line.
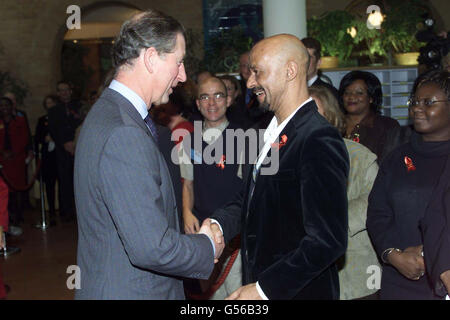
[221, 164]
[409, 164]
[281, 143]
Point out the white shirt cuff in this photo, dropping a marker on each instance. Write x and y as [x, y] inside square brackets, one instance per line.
[216, 222]
[261, 293]
[212, 243]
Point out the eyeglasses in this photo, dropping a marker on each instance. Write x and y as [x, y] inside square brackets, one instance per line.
[426, 102]
[218, 97]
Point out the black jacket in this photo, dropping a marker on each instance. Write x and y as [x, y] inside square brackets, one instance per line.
[294, 227]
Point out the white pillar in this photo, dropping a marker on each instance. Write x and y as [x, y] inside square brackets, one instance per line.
[284, 16]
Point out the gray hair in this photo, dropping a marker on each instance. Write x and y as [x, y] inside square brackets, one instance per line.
[147, 29]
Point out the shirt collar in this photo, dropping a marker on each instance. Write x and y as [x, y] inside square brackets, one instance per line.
[275, 129]
[131, 96]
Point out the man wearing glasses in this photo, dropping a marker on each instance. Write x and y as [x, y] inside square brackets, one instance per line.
[210, 175]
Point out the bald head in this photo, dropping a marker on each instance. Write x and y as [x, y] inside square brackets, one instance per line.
[284, 48]
[210, 81]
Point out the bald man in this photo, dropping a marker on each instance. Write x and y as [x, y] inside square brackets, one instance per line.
[294, 218]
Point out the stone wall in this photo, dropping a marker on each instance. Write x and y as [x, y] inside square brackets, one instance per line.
[32, 32]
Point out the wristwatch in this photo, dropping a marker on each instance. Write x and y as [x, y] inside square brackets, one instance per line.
[386, 252]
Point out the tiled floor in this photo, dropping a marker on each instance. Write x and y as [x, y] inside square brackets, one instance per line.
[38, 271]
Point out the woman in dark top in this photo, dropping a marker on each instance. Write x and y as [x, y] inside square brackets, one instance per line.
[361, 96]
[404, 187]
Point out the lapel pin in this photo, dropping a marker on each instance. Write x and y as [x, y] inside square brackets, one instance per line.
[409, 164]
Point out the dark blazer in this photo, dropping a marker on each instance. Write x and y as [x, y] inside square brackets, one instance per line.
[294, 227]
[129, 240]
[435, 227]
[62, 126]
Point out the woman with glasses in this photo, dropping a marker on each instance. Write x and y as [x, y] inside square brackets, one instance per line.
[361, 97]
[408, 179]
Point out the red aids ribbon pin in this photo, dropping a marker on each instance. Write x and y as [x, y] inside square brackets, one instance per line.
[409, 164]
[281, 143]
[221, 164]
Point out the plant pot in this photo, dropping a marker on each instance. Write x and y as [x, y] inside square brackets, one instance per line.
[406, 59]
[329, 62]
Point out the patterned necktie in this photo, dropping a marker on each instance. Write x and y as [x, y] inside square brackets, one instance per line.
[151, 125]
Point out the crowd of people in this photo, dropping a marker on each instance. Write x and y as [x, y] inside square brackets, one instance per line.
[170, 205]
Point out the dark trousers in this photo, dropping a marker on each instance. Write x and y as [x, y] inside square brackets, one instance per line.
[16, 203]
[50, 175]
[64, 167]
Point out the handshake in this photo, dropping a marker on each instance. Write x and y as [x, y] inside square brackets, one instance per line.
[212, 230]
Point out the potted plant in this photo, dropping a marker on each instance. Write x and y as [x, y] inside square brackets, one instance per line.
[400, 27]
[330, 30]
[225, 49]
[368, 42]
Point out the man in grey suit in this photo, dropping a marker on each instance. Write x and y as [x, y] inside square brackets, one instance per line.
[129, 243]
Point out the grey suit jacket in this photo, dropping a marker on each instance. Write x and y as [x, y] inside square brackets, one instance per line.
[129, 243]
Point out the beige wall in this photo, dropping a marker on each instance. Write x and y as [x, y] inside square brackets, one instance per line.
[31, 33]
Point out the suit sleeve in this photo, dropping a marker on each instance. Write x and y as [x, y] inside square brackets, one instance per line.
[380, 223]
[230, 216]
[322, 170]
[130, 176]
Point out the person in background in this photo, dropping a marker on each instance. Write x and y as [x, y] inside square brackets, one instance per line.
[404, 189]
[14, 140]
[435, 225]
[3, 227]
[174, 115]
[63, 120]
[45, 148]
[361, 96]
[360, 254]
[236, 111]
[314, 49]
[244, 72]
[207, 186]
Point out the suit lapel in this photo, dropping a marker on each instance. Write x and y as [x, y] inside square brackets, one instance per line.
[290, 131]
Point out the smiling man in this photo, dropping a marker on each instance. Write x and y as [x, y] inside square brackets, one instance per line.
[293, 223]
[206, 185]
[130, 245]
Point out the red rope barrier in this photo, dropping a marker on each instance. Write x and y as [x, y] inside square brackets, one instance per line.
[12, 187]
[207, 294]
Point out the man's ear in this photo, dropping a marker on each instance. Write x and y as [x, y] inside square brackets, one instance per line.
[150, 55]
[319, 62]
[292, 70]
[197, 102]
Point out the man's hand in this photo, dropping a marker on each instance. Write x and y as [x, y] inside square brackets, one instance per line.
[248, 292]
[409, 263]
[191, 224]
[219, 242]
[445, 277]
[218, 236]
